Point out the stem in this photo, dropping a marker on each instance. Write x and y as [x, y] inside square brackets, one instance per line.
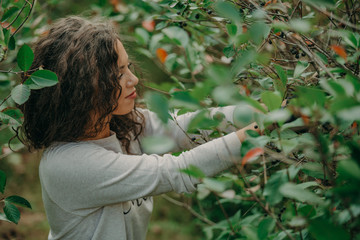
[26, 18]
[192, 211]
[225, 214]
[17, 16]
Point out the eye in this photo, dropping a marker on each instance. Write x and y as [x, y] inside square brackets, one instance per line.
[129, 65]
[120, 76]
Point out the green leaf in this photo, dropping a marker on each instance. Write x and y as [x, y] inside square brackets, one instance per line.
[142, 36]
[12, 43]
[243, 115]
[348, 169]
[20, 94]
[157, 144]
[214, 184]
[13, 116]
[193, 171]
[9, 13]
[4, 218]
[25, 57]
[18, 200]
[280, 85]
[229, 51]
[300, 25]
[308, 96]
[178, 35]
[271, 99]
[44, 78]
[258, 32]
[232, 29]
[265, 227]
[12, 212]
[183, 99]
[202, 120]
[296, 192]
[322, 229]
[228, 10]
[2, 181]
[245, 57]
[300, 68]
[158, 104]
[271, 190]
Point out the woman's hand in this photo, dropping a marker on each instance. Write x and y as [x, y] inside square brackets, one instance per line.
[241, 133]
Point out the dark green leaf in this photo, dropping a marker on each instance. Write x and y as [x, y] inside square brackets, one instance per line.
[348, 169]
[322, 229]
[18, 200]
[229, 51]
[12, 115]
[12, 43]
[280, 84]
[271, 190]
[11, 212]
[8, 13]
[232, 29]
[44, 78]
[265, 227]
[20, 94]
[2, 181]
[25, 57]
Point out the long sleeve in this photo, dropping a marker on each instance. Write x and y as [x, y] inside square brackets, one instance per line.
[92, 176]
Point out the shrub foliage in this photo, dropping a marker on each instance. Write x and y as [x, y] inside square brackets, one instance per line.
[298, 180]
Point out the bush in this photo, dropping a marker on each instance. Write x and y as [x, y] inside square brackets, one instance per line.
[298, 181]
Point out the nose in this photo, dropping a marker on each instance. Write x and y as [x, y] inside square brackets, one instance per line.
[133, 81]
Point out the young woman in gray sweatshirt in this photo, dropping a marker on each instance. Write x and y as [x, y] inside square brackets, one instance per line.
[97, 183]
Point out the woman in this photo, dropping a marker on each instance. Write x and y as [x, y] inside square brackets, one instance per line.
[96, 181]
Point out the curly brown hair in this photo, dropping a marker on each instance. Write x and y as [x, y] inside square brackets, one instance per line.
[83, 55]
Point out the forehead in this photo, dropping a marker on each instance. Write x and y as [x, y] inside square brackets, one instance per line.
[123, 57]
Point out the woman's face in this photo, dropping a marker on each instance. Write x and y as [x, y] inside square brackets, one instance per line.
[128, 81]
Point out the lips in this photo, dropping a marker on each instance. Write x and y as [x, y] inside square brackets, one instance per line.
[131, 95]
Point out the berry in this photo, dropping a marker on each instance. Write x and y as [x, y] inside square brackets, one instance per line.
[209, 12]
[297, 56]
[184, 24]
[270, 42]
[197, 16]
[262, 4]
[282, 35]
[178, 13]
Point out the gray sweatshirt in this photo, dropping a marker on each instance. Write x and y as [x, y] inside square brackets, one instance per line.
[93, 190]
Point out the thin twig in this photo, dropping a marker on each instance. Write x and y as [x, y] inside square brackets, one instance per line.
[26, 18]
[192, 211]
[17, 16]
